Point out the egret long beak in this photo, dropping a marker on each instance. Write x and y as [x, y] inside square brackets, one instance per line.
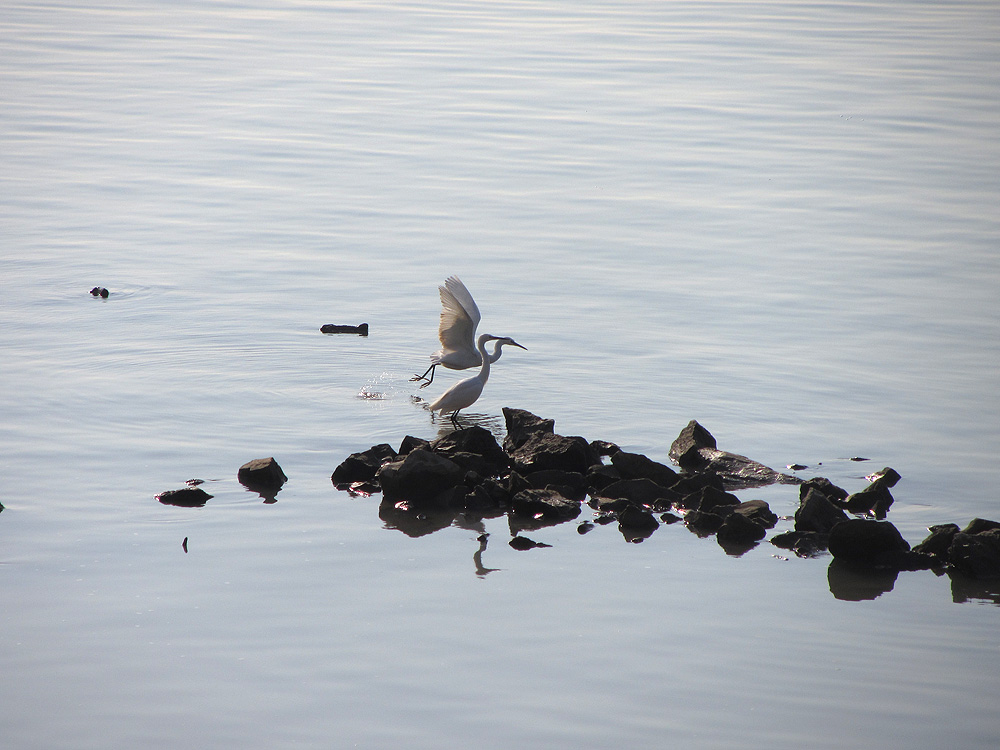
[514, 343]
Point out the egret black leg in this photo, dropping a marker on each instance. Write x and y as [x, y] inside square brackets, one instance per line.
[454, 419]
[424, 377]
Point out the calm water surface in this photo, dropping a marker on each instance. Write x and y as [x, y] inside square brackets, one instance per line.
[776, 218]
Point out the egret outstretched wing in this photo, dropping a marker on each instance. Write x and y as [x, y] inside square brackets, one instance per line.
[459, 319]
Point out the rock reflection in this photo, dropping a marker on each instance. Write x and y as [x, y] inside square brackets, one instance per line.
[853, 583]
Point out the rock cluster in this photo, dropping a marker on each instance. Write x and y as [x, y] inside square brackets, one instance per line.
[538, 478]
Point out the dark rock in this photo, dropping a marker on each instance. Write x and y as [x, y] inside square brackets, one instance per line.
[362, 467]
[887, 477]
[475, 440]
[419, 477]
[361, 330]
[717, 501]
[604, 448]
[824, 485]
[703, 523]
[796, 467]
[738, 529]
[861, 541]
[100, 291]
[875, 498]
[638, 466]
[976, 555]
[669, 518]
[684, 449]
[521, 425]
[757, 511]
[938, 541]
[600, 476]
[572, 484]
[639, 492]
[979, 525]
[262, 475]
[817, 513]
[542, 451]
[637, 519]
[610, 504]
[185, 497]
[689, 488]
[411, 443]
[802, 543]
[695, 451]
[545, 506]
[522, 543]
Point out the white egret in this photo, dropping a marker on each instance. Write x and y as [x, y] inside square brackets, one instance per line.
[467, 392]
[457, 331]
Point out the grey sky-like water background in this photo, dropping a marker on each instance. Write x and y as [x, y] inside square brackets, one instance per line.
[778, 218]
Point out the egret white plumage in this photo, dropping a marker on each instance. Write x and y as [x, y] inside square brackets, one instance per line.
[457, 331]
[467, 392]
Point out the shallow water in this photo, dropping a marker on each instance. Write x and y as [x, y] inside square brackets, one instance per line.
[778, 219]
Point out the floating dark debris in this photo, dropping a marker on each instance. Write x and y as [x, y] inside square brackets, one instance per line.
[539, 478]
[360, 330]
[100, 291]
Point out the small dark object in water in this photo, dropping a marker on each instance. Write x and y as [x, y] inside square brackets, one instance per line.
[184, 545]
[797, 467]
[100, 291]
[361, 330]
[186, 497]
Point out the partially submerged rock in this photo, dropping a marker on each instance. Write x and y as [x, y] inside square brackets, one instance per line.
[695, 451]
[262, 475]
[185, 497]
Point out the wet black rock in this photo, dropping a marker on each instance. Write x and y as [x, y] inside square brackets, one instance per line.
[802, 543]
[695, 450]
[544, 505]
[100, 291]
[360, 330]
[869, 543]
[604, 448]
[702, 522]
[638, 466]
[262, 475]
[600, 476]
[638, 519]
[757, 511]
[685, 448]
[875, 498]
[419, 477]
[521, 425]
[690, 486]
[185, 497]
[817, 513]
[475, 441]
[938, 542]
[410, 443]
[639, 492]
[572, 484]
[362, 467]
[739, 529]
[975, 550]
[542, 451]
[719, 502]
[824, 485]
